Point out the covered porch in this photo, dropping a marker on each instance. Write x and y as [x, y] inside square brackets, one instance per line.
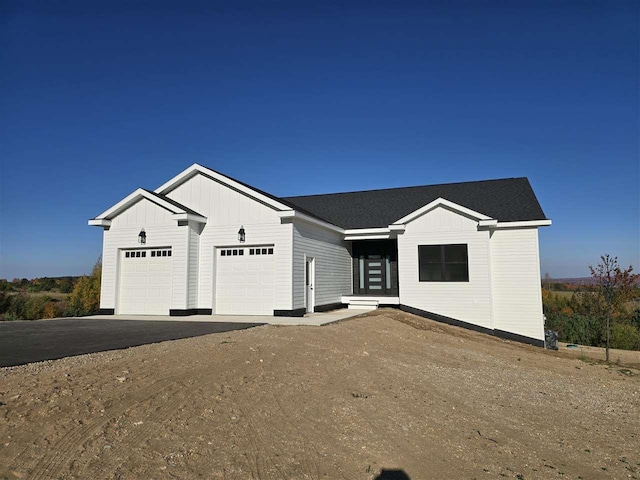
[375, 274]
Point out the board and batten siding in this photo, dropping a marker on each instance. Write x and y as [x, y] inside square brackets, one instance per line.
[226, 211]
[214, 237]
[193, 264]
[162, 231]
[333, 275]
[221, 204]
[466, 301]
[517, 298]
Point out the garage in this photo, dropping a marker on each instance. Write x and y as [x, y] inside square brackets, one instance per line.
[245, 280]
[145, 281]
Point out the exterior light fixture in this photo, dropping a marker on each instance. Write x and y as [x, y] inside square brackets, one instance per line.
[241, 234]
[142, 237]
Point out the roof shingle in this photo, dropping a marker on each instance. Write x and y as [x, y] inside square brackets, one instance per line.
[506, 200]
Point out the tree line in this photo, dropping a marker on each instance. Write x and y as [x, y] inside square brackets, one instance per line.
[48, 297]
[605, 313]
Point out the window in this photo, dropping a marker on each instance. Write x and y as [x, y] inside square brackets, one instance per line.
[443, 263]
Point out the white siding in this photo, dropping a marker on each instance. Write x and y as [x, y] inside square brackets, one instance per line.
[141, 214]
[161, 231]
[193, 264]
[227, 236]
[466, 301]
[226, 210]
[332, 264]
[515, 265]
[220, 204]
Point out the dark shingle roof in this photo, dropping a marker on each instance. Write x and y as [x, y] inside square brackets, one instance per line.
[506, 200]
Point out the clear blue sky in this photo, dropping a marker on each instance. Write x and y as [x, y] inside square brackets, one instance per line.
[101, 97]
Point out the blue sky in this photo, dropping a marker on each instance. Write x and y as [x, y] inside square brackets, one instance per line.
[99, 98]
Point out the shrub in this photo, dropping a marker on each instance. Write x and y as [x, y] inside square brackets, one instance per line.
[575, 328]
[625, 337]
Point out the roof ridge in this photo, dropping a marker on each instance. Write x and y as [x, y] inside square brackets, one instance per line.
[407, 188]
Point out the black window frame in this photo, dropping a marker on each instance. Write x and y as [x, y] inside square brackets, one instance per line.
[447, 267]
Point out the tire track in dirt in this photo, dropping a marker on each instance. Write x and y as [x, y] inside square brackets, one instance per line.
[62, 452]
[171, 404]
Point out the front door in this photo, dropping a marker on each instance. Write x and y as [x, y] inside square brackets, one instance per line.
[375, 267]
[374, 274]
[309, 275]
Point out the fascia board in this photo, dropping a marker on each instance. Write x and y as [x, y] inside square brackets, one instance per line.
[134, 197]
[441, 202]
[189, 217]
[99, 222]
[367, 237]
[488, 223]
[293, 214]
[196, 168]
[524, 224]
[363, 231]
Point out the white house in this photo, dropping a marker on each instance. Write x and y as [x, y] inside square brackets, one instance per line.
[204, 243]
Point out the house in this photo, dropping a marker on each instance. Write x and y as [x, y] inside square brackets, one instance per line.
[204, 243]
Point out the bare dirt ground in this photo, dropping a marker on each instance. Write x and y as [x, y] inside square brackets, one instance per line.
[384, 391]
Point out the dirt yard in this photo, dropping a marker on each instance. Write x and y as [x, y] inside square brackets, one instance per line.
[383, 391]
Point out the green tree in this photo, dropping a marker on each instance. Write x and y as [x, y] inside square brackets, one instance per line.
[612, 288]
[85, 298]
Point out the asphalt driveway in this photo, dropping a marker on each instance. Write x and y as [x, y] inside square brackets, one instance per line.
[33, 341]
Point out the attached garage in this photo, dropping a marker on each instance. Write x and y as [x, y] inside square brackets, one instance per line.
[145, 281]
[245, 280]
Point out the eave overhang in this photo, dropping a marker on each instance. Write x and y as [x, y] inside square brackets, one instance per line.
[223, 179]
[179, 212]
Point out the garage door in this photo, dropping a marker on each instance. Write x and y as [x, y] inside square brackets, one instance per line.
[145, 282]
[245, 280]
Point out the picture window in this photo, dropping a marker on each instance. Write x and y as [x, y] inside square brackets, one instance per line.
[443, 263]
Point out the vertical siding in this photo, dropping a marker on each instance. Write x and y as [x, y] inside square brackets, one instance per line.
[220, 204]
[142, 214]
[466, 301]
[193, 264]
[226, 210]
[162, 231]
[332, 264]
[213, 237]
[515, 265]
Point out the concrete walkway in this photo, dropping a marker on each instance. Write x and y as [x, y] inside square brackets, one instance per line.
[311, 319]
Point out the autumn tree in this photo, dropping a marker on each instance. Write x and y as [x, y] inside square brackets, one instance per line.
[612, 288]
[85, 298]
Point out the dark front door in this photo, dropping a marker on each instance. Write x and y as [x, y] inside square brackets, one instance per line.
[375, 267]
[374, 274]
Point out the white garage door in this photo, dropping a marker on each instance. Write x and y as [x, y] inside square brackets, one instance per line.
[245, 280]
[145, 281]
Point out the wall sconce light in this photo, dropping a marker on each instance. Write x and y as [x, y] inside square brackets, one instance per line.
[241, 235]
[142, 237]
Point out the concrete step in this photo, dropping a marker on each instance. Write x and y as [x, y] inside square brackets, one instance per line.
[365, 304]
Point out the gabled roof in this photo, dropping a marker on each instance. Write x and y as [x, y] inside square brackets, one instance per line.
[195, 169]
[179, 211]
[505, 200]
